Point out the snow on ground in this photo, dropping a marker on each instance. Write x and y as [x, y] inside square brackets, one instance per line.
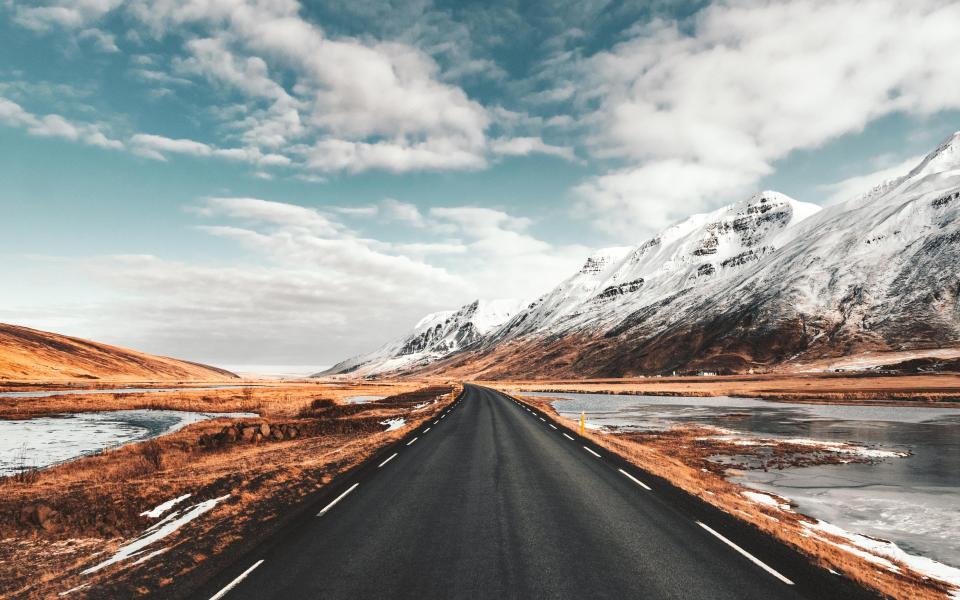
[72, 590]
[154, 513]
[739, 439]
[883, 552]
[879, 552]
[155, 533]
[767, 500]
[873, 360]
[393, 424]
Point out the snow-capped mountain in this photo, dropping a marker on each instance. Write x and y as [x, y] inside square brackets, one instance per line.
[760, 284]
[698, 253]
[436, 335]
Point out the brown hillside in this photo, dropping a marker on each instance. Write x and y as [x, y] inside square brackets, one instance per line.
[31, 355]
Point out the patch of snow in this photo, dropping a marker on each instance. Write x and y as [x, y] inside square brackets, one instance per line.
[137, 546]
[154, 513]
[767, 500]
[393, 424]
[72, 590]
[882, 552]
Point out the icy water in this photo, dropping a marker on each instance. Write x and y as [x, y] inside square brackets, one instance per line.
[65, 392]
[912, 501]
[44, 441]
[363, 399]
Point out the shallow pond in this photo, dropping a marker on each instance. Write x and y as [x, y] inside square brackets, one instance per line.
[912, 501]
[132, 390]
[363, 399]
[45, 441]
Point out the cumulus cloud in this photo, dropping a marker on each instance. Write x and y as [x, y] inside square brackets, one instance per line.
[337, 104]
[744, 83]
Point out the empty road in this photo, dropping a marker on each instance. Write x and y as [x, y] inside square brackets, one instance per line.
[494, 501]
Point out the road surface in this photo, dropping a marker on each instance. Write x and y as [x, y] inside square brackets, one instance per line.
[493, 500]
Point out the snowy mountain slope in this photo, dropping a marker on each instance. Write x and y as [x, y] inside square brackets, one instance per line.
[698, 252]
[760, 284]
[435, 336]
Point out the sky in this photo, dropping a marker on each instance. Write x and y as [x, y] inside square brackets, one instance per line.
[254, 182]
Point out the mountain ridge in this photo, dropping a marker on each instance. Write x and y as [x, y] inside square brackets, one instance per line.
[756, 284]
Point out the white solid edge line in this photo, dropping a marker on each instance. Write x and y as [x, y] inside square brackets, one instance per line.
[752, 558]
[591, 452]
[552, 425]
[236, 581]
[636, 481]
[412, 441]
[568, 437]
[388, 460]
[339, 498]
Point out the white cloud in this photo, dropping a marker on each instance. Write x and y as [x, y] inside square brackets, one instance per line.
[63, 13]
[631, 203]
[857, 185]
[158, 146]
[347, 104]
[53, 125]
[102, 41]
[352, 106]
[396, 210]
[307, 287]
[522, 146]
[747, 82]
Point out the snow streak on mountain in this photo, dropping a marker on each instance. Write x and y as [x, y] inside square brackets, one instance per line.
[761, 284]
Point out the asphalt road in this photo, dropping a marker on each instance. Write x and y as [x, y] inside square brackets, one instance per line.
[496, 501]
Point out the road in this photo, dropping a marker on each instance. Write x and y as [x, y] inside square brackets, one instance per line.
[493, 500]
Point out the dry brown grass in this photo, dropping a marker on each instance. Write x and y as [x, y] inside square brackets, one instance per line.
[269, 399]
[681, 457]
[97, 501]
[908, 390]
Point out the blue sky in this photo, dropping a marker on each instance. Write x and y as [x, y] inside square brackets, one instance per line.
[246, 182]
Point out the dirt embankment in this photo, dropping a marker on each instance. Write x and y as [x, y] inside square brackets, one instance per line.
[245, 478]
[687, 458]
[32, 355]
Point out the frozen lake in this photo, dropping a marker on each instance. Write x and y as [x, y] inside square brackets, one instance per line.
[912, 501]
[44, 441]
[132, 390]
